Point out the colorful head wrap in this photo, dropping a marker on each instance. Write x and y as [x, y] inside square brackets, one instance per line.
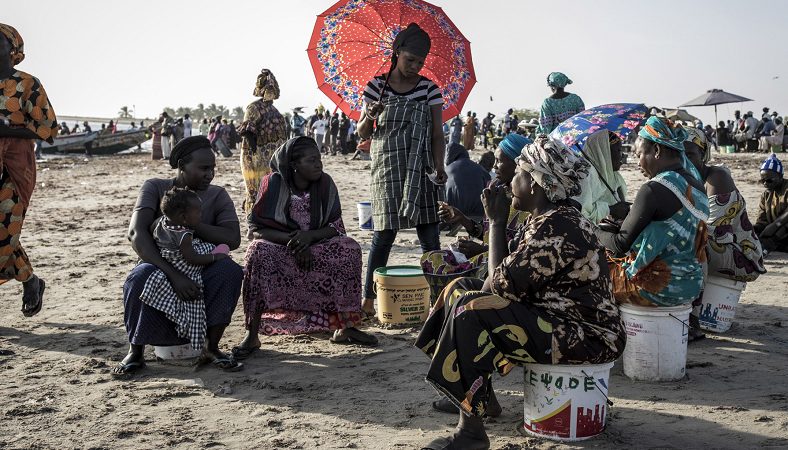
[662, 131]
[266, 86]
[773, 163]
[17, 44]
[513, 144]
[414, 40]
[558, 79]
[554, 167]
[698, 137]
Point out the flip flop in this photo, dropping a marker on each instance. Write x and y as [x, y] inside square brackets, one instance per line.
[37, 308]
[128, 368]
[355, 336]
[241, 353]
[448, 444]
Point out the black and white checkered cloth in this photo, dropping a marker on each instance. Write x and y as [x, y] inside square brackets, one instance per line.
[189, 317]
[402, 194]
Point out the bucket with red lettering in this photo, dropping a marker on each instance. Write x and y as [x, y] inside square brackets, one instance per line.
[566, 403]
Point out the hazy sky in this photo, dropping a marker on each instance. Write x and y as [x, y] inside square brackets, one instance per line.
[95, 56]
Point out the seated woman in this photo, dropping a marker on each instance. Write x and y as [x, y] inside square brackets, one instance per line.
[303, 274]
[549, 301]
[663, 238]
[145, 325]
[772, 222]
[603, 191]
[466, 181]
[443, 262]
[734, 250]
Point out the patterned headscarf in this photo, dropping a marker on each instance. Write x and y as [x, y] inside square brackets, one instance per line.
[17, 44]
[773, 163]
[513, 144]
[558, 79]
[266, 86]
[662, 131]
[698, 137]
[554, 167]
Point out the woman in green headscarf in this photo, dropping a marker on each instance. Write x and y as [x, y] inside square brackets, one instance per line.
[660, 248]
[604, 191]
[560, 106]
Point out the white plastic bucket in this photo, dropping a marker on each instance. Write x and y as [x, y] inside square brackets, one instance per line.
[720, 297]
[565, 403]
[365, 215]
[656, 347]
[176, 352]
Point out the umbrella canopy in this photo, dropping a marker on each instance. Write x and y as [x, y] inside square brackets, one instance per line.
[351, 44]
[680, 114]
[715, 97]
[620, 118]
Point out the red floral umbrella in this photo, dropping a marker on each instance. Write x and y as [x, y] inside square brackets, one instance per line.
[351, 44]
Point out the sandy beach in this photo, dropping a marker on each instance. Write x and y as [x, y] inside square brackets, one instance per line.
[304, 392]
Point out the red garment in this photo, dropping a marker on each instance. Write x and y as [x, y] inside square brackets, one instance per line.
[18, 158]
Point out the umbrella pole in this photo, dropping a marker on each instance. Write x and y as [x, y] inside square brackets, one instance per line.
[715, 116]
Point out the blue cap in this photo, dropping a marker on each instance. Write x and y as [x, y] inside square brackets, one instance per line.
[773, 163]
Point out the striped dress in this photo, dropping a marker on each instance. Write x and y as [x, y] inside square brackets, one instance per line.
[402, 194]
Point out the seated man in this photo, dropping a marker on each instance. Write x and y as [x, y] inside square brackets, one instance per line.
[772, 222]
[466, 181]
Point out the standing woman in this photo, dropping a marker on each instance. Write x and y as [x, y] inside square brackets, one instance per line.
[403, 118]
[26, 116]
[469, 132]
[262, 132]
[559, 106]
[155, 130]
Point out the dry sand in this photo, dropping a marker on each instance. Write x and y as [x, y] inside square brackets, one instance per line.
[303, 392]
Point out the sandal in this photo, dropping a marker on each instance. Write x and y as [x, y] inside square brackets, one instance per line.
[128, 368]
[26, 310]
[354, 336]
[445, 405]
[241, 353]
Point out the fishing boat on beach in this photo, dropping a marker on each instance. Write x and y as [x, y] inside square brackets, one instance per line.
[65, 143]
[99, 143]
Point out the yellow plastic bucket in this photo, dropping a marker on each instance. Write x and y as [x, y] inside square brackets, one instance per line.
[403, 295]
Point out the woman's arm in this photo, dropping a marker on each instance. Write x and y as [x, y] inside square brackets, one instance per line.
[643, 211]
[271, 235]
[438, 143]
[228, 233]
[719, 181]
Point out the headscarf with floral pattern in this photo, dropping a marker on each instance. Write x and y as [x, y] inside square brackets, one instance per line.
[553, 167]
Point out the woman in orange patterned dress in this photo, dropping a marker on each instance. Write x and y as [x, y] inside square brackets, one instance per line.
[25, 116]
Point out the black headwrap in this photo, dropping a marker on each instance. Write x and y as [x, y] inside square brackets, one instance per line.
[186, 147]
[414, 40]
[272, 208]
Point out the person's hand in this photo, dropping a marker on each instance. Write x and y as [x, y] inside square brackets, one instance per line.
[299, 241]
[374, 109]
[470, 248]
[620, 210]
[449, 214]
[304, 260]
[496, 204]
[440, 175]
[186, 289]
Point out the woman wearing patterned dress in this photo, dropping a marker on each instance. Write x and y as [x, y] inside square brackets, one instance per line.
[26, 116]
[262, 131]
[657, 256]
[303, 274]
[403, 116]
[559, 106]
[548, 301]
